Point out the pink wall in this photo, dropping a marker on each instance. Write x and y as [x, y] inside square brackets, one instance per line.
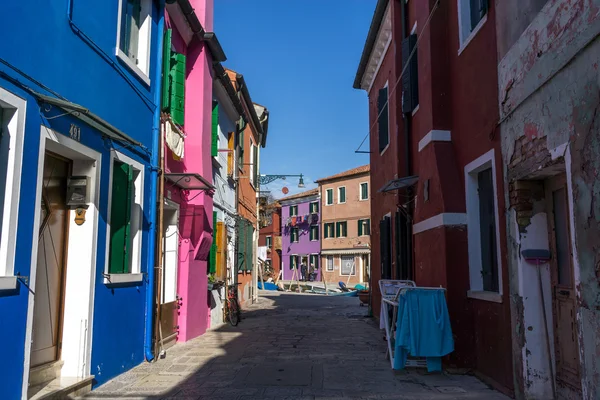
[196, 207]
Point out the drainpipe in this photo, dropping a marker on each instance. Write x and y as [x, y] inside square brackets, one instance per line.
[150, 308]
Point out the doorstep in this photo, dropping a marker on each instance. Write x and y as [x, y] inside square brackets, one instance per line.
[61, 388]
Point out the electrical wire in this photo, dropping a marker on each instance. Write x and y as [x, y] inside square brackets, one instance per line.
[406, 64]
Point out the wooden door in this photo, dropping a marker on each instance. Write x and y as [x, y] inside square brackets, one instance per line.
[170, 300]
[563, 288]
[51, 261]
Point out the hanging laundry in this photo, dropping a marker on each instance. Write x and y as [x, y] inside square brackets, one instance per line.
[174, 138]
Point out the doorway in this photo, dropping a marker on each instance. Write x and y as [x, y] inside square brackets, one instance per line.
[51, 261]
[563, 288]
[169, 302]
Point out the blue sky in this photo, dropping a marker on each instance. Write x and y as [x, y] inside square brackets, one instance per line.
[299, 59]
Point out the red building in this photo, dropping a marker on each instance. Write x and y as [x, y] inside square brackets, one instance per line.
[436, 169]
[270, 234]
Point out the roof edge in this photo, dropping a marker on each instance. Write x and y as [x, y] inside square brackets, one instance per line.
[370, 42]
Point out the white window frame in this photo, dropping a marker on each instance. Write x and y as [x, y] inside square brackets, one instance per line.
[269, 241]
[328, 269]
[310, 206]
[295, 229]
[144, 44]
[310, 232]
[360, 198]
[316, 255]
[345, 195]
[482, 163]
[342, 263]
[335, 229]
[389, 126]
[8, 239]
[362, 220]
[327, 197]
[465, 34]
[296, 208]
[325, 229]
[135, 274]
[295, 259]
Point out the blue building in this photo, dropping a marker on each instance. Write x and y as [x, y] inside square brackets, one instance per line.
[79, 111]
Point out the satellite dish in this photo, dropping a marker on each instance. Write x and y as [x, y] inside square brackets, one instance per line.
[285, 190]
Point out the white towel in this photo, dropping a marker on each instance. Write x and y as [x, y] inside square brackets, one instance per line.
[174, 138]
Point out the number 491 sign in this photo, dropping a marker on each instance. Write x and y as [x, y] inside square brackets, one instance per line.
[75, 132]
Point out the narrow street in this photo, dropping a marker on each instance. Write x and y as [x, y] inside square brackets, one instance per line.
[289, 346]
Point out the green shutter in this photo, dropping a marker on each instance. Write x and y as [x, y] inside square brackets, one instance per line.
[368, 230]
[120, 218]
[212, 265]
[166, 78]
[215, 130]
[249, 247]
[337, 229]
[178, 88]
[241, 250]
[360, 227]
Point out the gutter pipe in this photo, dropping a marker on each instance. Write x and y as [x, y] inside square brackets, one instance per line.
[148, 348]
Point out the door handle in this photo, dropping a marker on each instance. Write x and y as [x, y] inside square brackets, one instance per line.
[564, 292]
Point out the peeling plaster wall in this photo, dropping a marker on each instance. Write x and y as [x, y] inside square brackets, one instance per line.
[549, 93]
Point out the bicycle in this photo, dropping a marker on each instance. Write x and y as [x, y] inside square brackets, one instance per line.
[233, 310]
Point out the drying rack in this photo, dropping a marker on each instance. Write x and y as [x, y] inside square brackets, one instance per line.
[390, 293]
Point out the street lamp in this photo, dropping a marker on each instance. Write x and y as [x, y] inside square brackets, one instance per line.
[266, 179]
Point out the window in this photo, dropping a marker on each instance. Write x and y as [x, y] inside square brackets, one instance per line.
[329, 197]
[364, 191]
[133, 35]
[410, 79]
[294, 235]
[348, 266]
[294, 211]
[382, 122]
[293, 262]
[364, 227]
[12, 126]
[341, 195]
[482, 225]
[329, 263]
[341, 229]
[313, 207]
[125, 213]
[314, 233]
[173, 82]
[230, 155]
[329, 233]
[269, 241]
[314, 261]
[214, 148]
[255, 165]
[241, 125]
[471, 13]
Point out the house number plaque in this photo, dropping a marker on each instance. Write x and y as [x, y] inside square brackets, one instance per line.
[75, 132]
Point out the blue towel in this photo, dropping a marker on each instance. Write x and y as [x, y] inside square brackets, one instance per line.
[423, 328]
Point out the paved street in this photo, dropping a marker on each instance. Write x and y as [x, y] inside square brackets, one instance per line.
[289, 346]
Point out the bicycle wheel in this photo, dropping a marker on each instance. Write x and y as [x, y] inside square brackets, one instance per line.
[233, 314]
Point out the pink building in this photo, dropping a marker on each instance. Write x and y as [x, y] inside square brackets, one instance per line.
[190, 51]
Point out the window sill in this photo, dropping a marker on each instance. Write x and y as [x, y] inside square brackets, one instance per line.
[485, 296]
[120, 279]
[8, 283]
[342, 203]
[385, 148]
[415, 110]
[132, 67]
[472, 34]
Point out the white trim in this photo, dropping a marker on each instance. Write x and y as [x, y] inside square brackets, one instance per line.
[345, 194]
[269, 242]
[378, 52]
[482, 163]
[464, 42]
[144, 42]
[81, 266]
[12, 189]
[325, 230]
[327, 197]
[485, 296]
[335, 226]
[360, 191]
[136, 217]
[369, 221]
[310, 204]
[414, 29]
[443, 219]
[416, 109]
[434, 136]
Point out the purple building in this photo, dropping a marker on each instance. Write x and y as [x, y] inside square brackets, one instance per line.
[300, 235]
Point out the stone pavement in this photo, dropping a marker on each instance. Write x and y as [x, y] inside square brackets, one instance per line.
[289, 346]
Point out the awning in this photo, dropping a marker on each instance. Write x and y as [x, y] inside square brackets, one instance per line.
[188, 181]
[346, 251]
[399, 183]
[89, 118]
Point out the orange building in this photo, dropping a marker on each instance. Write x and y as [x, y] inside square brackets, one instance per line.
[346, 226]
[251, 136]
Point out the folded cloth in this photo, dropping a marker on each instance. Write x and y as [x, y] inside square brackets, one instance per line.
[423, 328]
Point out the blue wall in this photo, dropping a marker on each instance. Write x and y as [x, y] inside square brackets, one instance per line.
[39, 41]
